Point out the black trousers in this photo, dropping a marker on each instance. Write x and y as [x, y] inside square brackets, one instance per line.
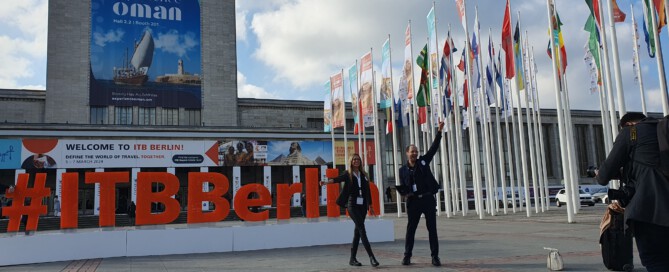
[653, 243]
[426, 205]
[358, 213]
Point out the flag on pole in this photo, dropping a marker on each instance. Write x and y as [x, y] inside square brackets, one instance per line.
[355, 102]
[406, 80]
[618, 15]
[445, 73]
[462, 64]
[662, 16]
[423, 95]
[593, 69]
[518, 54]
[648, 29]
[593, 5]
[327, 108]
[559, 41]
[593, 41]
[338, 105]
[460, 5]
[507, 43]
[386, 91]
[365, 93]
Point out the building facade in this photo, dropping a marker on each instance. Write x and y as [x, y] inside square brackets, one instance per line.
[69, 112]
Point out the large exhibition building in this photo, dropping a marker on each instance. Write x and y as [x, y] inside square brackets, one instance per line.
[118, 98]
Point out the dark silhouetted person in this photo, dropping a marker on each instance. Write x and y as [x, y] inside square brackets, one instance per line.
[420, 198]
[131, 212]
[636, 151]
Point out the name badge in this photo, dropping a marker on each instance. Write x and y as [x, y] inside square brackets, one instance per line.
[414, 188]
[359, 201]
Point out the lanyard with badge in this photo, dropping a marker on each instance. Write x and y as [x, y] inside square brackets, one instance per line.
[359, 200]
[414, 188]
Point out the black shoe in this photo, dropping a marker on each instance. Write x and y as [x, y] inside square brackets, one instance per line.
[406, 261]
[373, 261]
[436, 261]
[354, 262]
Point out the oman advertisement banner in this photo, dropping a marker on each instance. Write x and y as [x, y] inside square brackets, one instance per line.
[146, 53]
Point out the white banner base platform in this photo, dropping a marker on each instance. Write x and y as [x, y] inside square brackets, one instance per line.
[53, 246]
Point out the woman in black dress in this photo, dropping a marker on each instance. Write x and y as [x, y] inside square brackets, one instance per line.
[356, 197]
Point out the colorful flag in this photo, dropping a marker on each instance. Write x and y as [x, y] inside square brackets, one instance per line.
[460, 5]
[355, 102]
[593, 45]
[386, 90]
[423, 95]
[445, 74]
[365, 92]
[593, 5]
[648, 29]
[661, 14]
[507, 42]
[327, 108]
[618, 15]
[406, 80]
[338, 105]
[433, 59]
[559, 41]
[518, 54]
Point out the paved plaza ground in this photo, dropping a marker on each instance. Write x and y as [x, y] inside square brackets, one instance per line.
[506, 242]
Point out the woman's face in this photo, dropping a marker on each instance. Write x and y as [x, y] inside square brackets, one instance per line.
[356, 161]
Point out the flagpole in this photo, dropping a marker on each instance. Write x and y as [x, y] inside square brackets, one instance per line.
[334, 153]
[345, 130]
[360, 124]
[394, 129]
[500, 151]
[473, 135]
[607, 71]
[608, 137]
[561, 128]
[510, 149]
[571, 147]
[484, 127]
[540, 137]
[521, 133]
[436, 93]
[637, 62]
[416, 136]
[616, 60]
[660, 61]
[459, 149]
[377, 165]
[530, 127]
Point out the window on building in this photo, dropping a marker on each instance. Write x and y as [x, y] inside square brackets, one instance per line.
[170, 116]
[581, 134]
[316, 123]
[600, 150]
[548, 155]
[193, 117]
[98, 115]
[123, 115]
[147, 116]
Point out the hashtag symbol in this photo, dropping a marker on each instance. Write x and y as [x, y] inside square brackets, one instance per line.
[20, 207]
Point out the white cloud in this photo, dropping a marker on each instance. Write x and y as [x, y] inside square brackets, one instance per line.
[111, 36]
[23, 43]
[251, 91]
[175, 43]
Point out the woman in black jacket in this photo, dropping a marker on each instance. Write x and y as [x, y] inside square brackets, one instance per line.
[357, 199]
